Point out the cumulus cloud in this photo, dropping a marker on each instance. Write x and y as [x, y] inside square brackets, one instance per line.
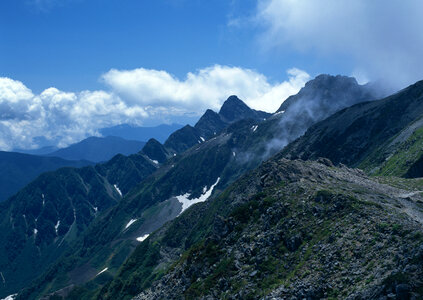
[383, 38]
[207, 88]
[58, 117]
[55, 117]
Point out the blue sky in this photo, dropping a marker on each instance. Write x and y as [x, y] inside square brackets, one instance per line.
[71, 67]
[68, 44]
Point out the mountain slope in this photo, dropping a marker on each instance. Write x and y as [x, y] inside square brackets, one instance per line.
[42, 220]
[98, 149]
[191, 177]
[383, 137]
[183, 139]
[288, 229]
[17, 170]
[210, 124]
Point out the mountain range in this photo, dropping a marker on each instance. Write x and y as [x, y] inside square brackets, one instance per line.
[98, 149]
[18, 169]
[287, 215]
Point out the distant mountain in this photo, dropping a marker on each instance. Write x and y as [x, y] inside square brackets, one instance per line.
[18, 169]
[129, 132]
[199, 173]
[99, 149]
[383, 137]
[40, 151]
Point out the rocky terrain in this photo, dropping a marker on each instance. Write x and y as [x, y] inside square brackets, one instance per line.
[292, 230]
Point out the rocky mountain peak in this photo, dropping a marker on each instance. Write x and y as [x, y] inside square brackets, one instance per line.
[155, 151]
[326, 80]
[234, 109]
[339, 91]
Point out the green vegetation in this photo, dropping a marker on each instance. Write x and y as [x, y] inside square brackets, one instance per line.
[400, 161]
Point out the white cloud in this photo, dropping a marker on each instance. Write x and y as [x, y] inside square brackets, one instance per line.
[57, 116]
[60, 118]
[207, 88]
[382, 37]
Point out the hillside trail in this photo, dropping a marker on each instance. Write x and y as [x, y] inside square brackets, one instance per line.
[411, 202]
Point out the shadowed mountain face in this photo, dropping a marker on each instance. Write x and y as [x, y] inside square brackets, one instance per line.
[182, 139]
[155, 151]
[99, 149]
[17, 170]
[201, 172]
[233, 109]
[43, 219]
[383, 137]
[211, 124]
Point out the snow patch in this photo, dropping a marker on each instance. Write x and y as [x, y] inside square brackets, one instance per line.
[142, 238]
[202, 139]
[10, 297]
[183, 199]
[102, 271]
[254, 128]
[132, 221]
[153, 161]
[117, 189]
[233, 153]
[35, 231]
[199, 142]
[56, 227]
